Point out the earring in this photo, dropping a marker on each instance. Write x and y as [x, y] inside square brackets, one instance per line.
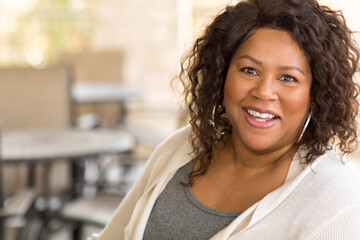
[222, 120]
[305, 126]
[217, 111]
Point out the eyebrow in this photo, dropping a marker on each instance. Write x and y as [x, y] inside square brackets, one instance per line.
[258, 62]
[292, 68]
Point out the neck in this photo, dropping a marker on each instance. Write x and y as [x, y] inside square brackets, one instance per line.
[246, 159]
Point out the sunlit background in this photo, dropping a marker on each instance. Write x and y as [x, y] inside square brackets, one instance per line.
[149, 38]
[151, 35]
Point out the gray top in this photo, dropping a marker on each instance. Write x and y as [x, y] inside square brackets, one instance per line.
[177, 214]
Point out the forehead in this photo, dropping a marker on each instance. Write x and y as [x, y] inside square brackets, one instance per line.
[273, 42]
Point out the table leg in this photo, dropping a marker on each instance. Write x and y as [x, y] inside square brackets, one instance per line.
[123, 113]
[2, 221]
[77, 177]
[2, 228]
[31, 175]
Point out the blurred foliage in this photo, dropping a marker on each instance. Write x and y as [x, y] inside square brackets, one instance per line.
[51, 27]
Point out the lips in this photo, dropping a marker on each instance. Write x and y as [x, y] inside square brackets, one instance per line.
[258, 118]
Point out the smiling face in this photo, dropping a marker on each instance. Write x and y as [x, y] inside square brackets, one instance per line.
[267, 91]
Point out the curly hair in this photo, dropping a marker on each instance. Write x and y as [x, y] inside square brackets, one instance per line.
[324, 36]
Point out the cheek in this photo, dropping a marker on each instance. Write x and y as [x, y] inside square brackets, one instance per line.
[230, 93]
[234, 90]
[232, 96]
[296, 103]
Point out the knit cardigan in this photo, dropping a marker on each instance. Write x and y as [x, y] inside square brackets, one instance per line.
[317, 201]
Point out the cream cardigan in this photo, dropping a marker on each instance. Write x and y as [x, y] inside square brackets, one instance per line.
[317, 201]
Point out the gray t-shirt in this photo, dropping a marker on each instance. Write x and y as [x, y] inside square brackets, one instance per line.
[177, 214]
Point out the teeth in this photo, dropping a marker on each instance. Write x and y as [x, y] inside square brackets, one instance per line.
[260, 115]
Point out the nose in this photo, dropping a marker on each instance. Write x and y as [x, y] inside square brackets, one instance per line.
[264, 88]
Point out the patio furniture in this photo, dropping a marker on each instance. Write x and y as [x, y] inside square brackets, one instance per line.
[46, 146]
[30, 98]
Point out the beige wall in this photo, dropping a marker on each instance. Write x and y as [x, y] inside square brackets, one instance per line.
[147, 33]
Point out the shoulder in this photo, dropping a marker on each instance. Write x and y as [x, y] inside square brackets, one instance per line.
[333, 173]
[331, 184]
[334, 199]
[175, 144]
[328, 194]
[170, 154]
[177, 138]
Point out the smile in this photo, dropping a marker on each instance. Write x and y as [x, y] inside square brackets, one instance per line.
[260, 119]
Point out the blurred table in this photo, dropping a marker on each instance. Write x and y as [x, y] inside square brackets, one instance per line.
[54, 144]
[47, 145]
[44, 146]
[101, 93]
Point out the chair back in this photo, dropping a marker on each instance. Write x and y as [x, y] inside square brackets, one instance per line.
[31, 98]
[99, 66]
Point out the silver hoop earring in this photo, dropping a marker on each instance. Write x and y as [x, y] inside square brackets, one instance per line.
[305, 126]
[221, 129]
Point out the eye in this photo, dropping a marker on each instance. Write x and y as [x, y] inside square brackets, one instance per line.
[249, 70]
[288, 78]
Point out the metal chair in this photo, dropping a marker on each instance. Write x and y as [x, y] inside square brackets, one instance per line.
[100, 193]
[104, 66]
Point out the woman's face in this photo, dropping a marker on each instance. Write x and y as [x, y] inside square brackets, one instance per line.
[267, 91]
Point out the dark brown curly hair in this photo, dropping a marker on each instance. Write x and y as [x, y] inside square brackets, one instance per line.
[320, 31]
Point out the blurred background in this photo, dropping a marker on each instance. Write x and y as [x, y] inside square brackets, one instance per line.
[119, 57]
[149, 36]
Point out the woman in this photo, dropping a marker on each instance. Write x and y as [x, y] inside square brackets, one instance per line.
[271, 96]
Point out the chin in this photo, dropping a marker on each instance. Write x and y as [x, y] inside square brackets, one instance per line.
[260, 148]
[261, 145]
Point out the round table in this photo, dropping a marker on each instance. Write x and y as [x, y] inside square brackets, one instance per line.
[53, 144]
